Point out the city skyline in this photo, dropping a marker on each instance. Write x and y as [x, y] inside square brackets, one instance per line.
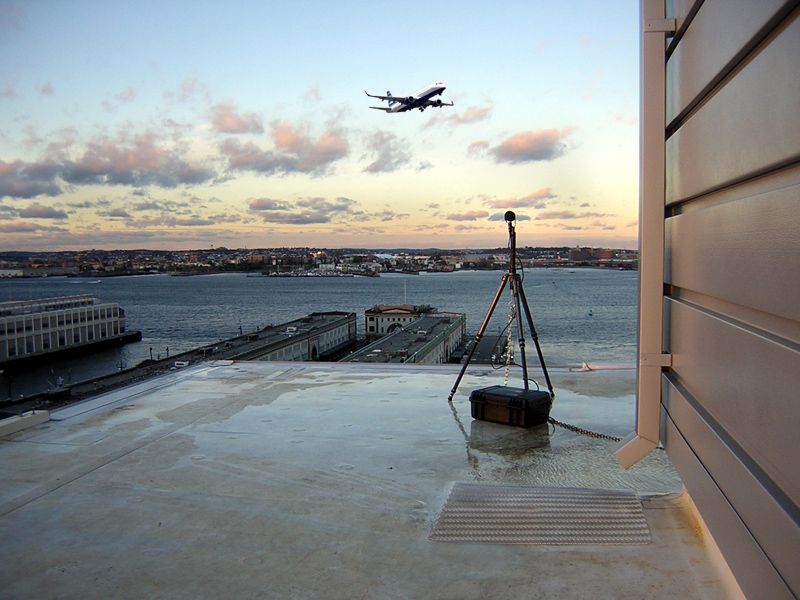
[194, 124]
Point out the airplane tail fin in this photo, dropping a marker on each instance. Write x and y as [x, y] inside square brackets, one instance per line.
[391, 102]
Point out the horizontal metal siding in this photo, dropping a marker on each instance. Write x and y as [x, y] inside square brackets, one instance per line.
[746, 384]
[749, 127]
[720, 32]
[732, 267]
[744, 250]
[754, 571]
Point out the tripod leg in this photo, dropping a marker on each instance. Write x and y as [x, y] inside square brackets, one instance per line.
[516, 284]
[480, 335]
[535, 338]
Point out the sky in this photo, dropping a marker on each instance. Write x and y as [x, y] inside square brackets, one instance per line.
[179, 125]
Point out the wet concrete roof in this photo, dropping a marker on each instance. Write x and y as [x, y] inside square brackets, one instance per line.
[300, 480]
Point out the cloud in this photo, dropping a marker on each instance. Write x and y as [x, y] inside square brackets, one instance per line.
[140, 163]
[502, 217]
[268, 204]
[570, 227]
[226, 218]
[534, 200]
[471, 215]
[556, 214]
[528, 146]
[26, 227]
[388, 215]
[312, 95]
[249, 157]
[39, 211]
[116, 213]
[148, 205]
[225, 119]
[170, 221]
[296, 152]
[126, 96]
[567, 214]
[388, 151]
[47, 90]
[477, 148]
[187, 90]
[302, 212]
[436, 227]
[8, 92]
[312, 155]
[19, 227]
[472, 114]
[143, 161]
[28, 180]
[603, 226]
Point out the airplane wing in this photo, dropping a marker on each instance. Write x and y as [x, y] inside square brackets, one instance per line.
[437, 103]
[399, 99]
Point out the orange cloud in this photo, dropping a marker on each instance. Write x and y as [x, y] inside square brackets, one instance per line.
[528, 146]
[534, 200]
[471, 215]
[225, 119]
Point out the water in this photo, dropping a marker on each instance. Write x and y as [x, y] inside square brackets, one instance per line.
[581, 315]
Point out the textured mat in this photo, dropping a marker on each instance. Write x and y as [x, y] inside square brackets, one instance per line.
[506, 514]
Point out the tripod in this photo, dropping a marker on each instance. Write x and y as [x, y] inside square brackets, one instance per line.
[520, 302]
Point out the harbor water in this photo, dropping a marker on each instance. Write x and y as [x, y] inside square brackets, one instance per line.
[581, 315]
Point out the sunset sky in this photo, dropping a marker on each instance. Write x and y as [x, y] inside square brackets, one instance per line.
[177, 125]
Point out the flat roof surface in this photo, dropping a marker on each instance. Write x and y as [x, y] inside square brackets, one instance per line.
[308, 480]
[398, 345]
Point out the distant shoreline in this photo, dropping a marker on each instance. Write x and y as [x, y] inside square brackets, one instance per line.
[615, 266]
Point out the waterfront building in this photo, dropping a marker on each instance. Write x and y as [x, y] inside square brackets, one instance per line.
[32, 328]
[384, 318]
[318, 336]
[585, 254]
[430, 339]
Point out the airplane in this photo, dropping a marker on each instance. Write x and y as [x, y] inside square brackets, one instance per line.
[420, 99]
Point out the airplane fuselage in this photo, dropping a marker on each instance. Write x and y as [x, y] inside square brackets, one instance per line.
[420, 97]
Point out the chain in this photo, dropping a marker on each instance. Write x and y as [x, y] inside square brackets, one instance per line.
[600, 436]
[509, 351]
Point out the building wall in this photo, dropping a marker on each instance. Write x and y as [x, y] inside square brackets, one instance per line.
[31, 334]
[378, 323]
[439, 349]
[731, 420]
[303, 345]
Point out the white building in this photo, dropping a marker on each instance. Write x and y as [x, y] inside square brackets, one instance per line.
[35, 327]
[384, 318]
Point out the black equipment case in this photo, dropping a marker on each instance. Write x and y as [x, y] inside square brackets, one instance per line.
[511, 406]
